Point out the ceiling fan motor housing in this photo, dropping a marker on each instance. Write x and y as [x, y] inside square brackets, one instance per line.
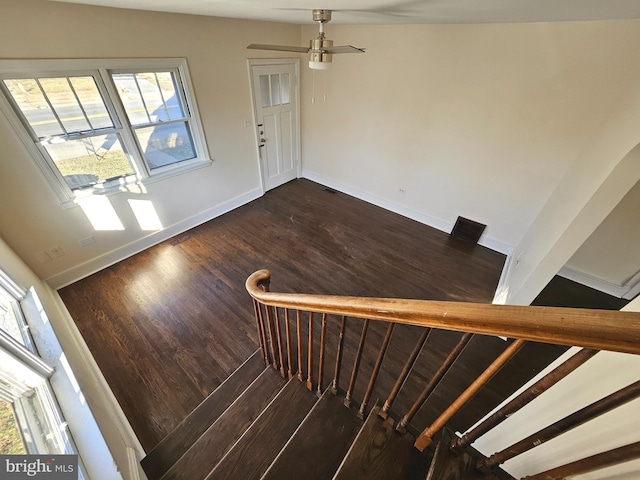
[317, 51]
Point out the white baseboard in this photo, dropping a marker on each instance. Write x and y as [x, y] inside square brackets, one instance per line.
[94, 265]
[423, 218]
[502, 290]
[593, 282]
[633, 288]
[135, 471]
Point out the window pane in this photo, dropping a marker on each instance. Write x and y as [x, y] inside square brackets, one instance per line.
[284, 87]
[92, 102]
[28, 95]
[131, 98]
[11, 440]
[89, 161]
[162, 102]
[9, 322]
[75, 100]
[149, 97]
[166, 144]
[265, 91]
[275, 89]
[65, 104]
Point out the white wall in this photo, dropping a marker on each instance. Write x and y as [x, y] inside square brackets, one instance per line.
[31, 220]
[601, 375]
[94, 399]
[595, 184]
[609, 260]
[474, 120]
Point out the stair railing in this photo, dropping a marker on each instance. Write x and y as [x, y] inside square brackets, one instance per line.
[593, 330]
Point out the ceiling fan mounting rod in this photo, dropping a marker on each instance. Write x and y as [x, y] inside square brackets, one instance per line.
[321, 17]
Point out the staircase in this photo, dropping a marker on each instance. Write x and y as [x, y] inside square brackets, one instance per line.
[257, 425]
[281, 415]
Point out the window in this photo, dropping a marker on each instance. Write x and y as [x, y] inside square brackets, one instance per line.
[29, 415]
[99, 125]
[156, 111]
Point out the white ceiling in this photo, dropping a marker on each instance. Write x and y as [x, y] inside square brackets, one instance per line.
[393, 11]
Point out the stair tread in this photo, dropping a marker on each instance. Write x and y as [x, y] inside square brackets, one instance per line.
[317, 448]
[448, 465]
[214, 443]
[380, 453]
[173, 446]
[253, 453]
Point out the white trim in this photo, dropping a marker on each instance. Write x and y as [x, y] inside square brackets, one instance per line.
[89, 267]
[11, 287]
[100, 390]
[23, 355]
[423, 218]
[592, 281]
[629, 290]
[502, 289]
[632, 286]
[133, 464]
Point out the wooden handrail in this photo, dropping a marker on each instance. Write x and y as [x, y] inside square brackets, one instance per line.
[597, 329]
[592, 329]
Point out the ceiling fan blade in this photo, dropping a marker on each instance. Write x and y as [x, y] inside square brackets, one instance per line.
[344, 49]
[278, 48]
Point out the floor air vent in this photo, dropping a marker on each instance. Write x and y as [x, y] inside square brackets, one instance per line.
[467, 230]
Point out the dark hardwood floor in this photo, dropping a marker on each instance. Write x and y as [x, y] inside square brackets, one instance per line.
[168, 325]
[562, 292]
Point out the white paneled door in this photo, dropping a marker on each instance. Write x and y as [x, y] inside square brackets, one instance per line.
[275, 98]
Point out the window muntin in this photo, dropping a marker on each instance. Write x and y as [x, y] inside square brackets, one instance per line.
[275, 89]
[94, 109]
[70, 119]
[60, 106]
[11, 319]
[158, 115]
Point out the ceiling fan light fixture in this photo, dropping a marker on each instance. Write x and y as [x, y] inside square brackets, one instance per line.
[313, 65]
[319, 59]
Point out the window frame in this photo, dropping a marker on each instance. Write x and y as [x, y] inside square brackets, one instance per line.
[29, 381]
[188, 119]
[101, 70]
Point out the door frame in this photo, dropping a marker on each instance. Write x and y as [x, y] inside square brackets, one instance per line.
[251, 62]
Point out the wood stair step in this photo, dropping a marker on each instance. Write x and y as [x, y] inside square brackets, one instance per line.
[212, 446]
[251, 456]
[160, 459]
[380, 453]
[317, 448]
[448, 465]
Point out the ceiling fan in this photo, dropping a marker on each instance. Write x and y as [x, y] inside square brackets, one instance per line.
[320, 50]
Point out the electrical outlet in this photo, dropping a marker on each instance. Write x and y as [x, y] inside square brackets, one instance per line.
[402, 191]
[56, 252]
[247, 122]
